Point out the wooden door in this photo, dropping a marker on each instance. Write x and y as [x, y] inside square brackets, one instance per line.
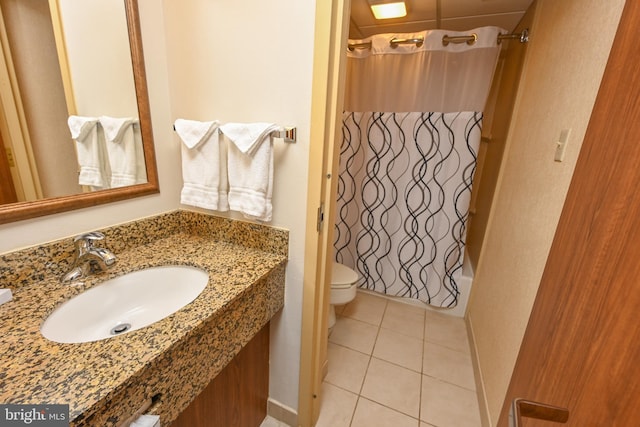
[581, 349]
[237, 396]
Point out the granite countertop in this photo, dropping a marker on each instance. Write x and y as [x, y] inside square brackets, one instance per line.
[106, 381]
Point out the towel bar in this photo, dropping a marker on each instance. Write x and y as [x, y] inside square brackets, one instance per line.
[288, 134]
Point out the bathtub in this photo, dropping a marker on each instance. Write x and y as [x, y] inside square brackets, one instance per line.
[464, 287]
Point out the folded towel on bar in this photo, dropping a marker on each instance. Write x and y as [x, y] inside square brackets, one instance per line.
[203, 165]
[91, 151]
[124, 146]
[250, 168]
[247, 136]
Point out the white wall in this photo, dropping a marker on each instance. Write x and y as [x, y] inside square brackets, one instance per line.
[252, 61]
[26, 233]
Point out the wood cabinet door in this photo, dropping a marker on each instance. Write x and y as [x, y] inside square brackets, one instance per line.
[581, 349]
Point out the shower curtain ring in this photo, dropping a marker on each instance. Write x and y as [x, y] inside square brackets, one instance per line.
[470, 40]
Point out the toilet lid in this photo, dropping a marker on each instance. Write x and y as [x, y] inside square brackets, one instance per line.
[342, 275]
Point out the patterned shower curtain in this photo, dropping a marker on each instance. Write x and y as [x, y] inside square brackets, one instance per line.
[404, 185]
[403, 199]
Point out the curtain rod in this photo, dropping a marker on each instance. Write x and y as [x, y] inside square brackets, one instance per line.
[523, 37]
[471, 39]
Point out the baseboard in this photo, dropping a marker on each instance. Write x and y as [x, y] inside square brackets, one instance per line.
[282, 413]
[485, 419]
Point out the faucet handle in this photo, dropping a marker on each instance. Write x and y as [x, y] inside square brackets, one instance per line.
[89, 237]
[84, 242]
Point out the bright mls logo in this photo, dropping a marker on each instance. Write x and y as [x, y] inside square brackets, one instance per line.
[34, 415]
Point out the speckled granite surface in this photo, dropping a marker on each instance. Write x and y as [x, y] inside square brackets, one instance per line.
[105, 382]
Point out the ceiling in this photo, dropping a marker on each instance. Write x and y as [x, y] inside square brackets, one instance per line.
[455, 15]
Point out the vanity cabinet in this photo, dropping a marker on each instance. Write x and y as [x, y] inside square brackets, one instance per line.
[237, 396]
[207, 364]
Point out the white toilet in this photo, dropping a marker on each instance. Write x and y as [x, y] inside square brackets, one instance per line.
[343, 288]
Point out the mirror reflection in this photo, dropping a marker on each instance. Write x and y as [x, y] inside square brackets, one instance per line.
[69, 121]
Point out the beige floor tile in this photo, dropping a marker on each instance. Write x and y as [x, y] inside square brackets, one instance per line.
[404, 318]
[372, 414]
[393, 386]
[356, 335]
[399, 349]
[448, 365]
[366, 308]
[272, 422]
[394, 393]
[445, 404]
[448, 331]
[346, 367]
[337, 407]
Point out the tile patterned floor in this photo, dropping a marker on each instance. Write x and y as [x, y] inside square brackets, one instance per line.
[272, 422]
[394, 364]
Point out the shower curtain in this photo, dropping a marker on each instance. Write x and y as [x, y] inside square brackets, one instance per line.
[411, 130]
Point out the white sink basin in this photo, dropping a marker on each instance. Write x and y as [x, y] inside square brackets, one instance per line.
[124, 304]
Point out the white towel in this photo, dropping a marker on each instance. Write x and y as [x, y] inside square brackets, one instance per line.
[121, 148]
[90, 150]
[146, 421]
[203, 171]
[250, 168]
[248, 136]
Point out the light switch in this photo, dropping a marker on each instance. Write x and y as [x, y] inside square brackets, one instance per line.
[562, 144]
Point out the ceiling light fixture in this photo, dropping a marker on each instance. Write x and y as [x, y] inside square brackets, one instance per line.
[383, 9]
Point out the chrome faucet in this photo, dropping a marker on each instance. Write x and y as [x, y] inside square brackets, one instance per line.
[88, 258]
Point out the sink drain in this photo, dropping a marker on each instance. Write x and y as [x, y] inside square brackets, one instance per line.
[118, 329]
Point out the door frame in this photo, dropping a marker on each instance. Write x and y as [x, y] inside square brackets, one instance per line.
[327, 101]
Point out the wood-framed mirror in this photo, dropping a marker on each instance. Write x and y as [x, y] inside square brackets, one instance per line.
[20, 210]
